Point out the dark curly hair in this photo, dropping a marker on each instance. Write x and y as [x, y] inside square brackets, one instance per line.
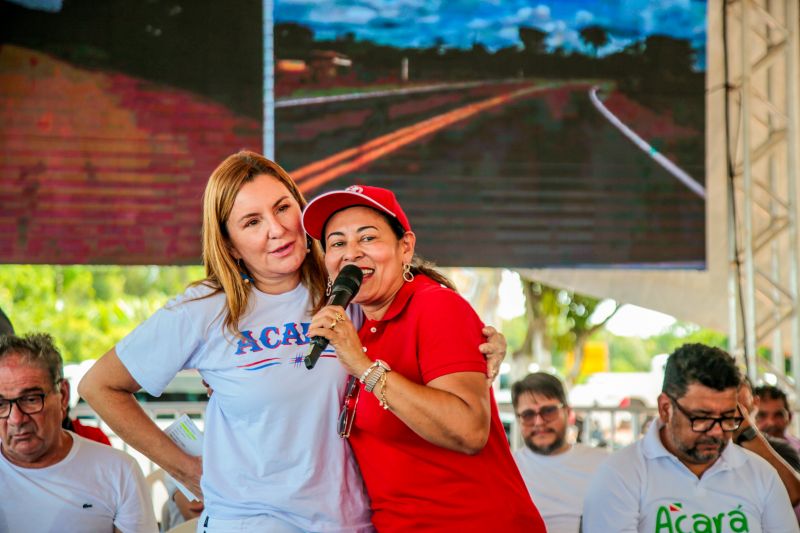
[540, 383]
[698, 363]
[771, 392]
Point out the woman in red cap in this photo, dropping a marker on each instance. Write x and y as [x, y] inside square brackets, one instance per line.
[424, 427]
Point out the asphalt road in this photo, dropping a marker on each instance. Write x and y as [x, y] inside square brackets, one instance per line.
[502, 175]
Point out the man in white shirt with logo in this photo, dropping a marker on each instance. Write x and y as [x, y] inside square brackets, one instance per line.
[52, 479]
[556, 472]
[685, 474]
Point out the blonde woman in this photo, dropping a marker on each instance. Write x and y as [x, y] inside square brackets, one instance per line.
[272, 460]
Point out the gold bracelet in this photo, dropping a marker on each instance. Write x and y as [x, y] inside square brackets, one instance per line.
[375, 375]
[382, 396]
[367, 372]
[376, 365]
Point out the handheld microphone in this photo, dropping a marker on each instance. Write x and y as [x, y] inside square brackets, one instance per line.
[344, 288]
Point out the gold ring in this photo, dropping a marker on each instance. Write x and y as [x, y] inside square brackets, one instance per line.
[338, 317]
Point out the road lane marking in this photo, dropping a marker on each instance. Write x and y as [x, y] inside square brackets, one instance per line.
[647, 148]
[320, 172]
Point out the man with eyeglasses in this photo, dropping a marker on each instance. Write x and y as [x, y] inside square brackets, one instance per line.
[52, 479]
[556, 472]
[685, 475]
[773, 414]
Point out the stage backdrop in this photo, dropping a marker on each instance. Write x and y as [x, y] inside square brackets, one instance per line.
[113, 115]
[515, 133]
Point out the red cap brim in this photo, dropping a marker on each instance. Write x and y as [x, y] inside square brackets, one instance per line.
[320, 209]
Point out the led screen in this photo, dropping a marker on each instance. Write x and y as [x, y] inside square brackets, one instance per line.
[515, 133]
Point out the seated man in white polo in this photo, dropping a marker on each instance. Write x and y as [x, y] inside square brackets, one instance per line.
[685, 475]
[52, 479]
[556, 472]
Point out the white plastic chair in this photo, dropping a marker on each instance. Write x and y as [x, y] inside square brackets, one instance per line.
[190, 526]
[158, 490]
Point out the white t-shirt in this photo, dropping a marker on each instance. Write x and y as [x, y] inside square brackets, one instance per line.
[93, 489]
[558, 483]
[271, 445]
[645, 488]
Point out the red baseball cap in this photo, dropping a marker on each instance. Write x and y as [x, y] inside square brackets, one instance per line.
[321, 208]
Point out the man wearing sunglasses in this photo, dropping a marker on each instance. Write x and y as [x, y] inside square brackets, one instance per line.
[556, 472]
[52, 479]
[773, 414]
[685, 475]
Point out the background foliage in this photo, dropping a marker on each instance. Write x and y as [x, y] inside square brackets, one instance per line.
[87, 308]
[627, 354]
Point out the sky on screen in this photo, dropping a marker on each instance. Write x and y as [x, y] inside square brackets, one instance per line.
[495, 23]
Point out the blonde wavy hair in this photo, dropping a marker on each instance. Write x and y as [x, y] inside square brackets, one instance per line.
[222, 272]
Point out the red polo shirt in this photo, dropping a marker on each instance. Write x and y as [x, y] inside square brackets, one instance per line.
[90, 432]
[430, 331]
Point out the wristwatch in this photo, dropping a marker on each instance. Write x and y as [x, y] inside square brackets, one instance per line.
[747, 435]
[374, 373]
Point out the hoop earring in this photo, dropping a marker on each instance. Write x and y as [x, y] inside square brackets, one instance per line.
[329, 287]
[408, 276]
[243, 273]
